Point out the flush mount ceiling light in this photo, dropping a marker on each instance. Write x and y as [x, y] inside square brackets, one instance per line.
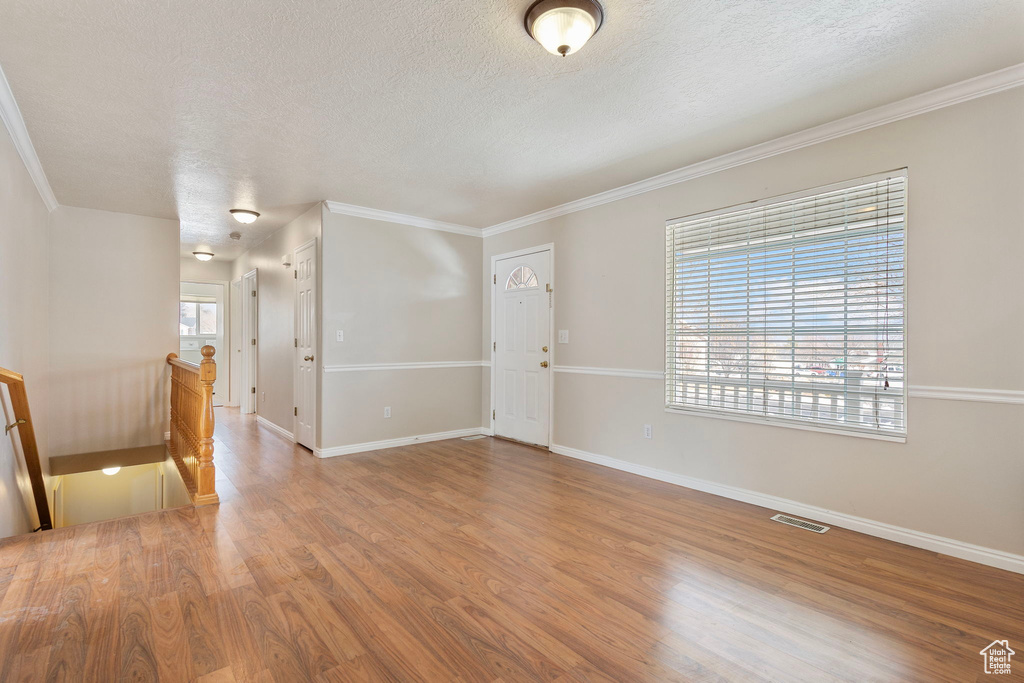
[111, 471]
[563, 26]
[203, 255]
[244, 215]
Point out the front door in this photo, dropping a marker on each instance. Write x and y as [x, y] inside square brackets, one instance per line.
[305, 344]
[522, 327]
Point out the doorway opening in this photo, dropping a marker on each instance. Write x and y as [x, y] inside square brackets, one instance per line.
[203, 320]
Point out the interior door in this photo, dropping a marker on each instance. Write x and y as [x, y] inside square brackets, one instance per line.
[305, 344]
[235, 318]
[250, 306]
[522, 327]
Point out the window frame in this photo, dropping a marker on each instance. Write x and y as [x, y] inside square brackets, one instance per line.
[775, 420]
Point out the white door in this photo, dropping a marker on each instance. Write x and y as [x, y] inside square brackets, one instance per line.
[522, 330]
[235, 318]
[250, 306]
[305, 344]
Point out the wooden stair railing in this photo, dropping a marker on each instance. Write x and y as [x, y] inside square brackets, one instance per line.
[191, 443]
[23, 422]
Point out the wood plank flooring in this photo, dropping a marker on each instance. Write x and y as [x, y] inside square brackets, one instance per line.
[481, 561]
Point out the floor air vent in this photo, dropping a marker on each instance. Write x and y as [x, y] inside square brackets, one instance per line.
[793, 521]
[473, 438]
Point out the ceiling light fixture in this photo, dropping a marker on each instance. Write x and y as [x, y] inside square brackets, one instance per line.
[203, 255]
[563, 26]
[111, 471]
[244, 215]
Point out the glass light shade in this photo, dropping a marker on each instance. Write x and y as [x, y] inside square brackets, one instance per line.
[202, 255]
[244, 215]
[111, 471]
[564, 30]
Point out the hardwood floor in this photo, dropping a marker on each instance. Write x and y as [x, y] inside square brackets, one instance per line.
[481, 561]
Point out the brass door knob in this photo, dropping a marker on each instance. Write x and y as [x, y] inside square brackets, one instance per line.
[543, 363]
[308, 358]
[544, 349]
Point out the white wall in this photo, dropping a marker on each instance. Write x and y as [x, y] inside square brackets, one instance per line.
[94, 496]
[960, 473]
[274, 399]
[194, 270]
[401, 295]
[24, 341]
[113, 311]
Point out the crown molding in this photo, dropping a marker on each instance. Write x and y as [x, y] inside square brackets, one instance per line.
[980, 86]
[15, 124]
[400, 218]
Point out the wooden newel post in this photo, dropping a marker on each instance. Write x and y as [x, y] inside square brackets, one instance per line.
[206, 491]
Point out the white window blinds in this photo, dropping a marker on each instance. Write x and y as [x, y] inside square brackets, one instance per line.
[792, 310]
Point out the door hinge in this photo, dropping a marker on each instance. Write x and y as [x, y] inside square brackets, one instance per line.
[296, 273]
[253, 390]
[296, 342]
[494, 415]
[296, 410]
[495, 279]
[254, 342]
[254, 292]
[495, 346]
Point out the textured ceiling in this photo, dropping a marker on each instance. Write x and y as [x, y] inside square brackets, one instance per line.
[447, 109]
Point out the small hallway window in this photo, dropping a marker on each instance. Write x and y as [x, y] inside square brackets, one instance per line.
[197, 318]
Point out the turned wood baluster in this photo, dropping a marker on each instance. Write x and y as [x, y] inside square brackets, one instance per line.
[205, 487]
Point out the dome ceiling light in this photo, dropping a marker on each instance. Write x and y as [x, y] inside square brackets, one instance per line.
[244, 215]
[563, 26]
[203, 255]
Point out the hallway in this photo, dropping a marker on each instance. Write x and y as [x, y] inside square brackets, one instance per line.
[478, 561]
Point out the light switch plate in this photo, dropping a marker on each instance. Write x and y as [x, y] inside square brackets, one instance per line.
[387, 412]
[563, 336]
[648, 432]
[341, 335]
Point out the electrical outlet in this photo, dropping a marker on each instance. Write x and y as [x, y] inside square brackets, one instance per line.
[263, 396]
[341, 335]
[563, 336]
[387, 411]
[648, 432]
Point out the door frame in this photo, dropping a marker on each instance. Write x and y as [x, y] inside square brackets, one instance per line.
[250, 352]
[225, 319]
[550, 248]
[316, 343]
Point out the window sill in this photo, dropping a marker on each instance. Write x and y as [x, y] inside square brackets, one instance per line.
[782, 422]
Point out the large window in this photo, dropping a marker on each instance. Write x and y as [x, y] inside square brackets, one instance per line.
[791, 310]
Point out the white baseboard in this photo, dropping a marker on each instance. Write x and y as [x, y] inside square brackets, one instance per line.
[277, 429]
[918, 539]
[392, 443]
[487, 431]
